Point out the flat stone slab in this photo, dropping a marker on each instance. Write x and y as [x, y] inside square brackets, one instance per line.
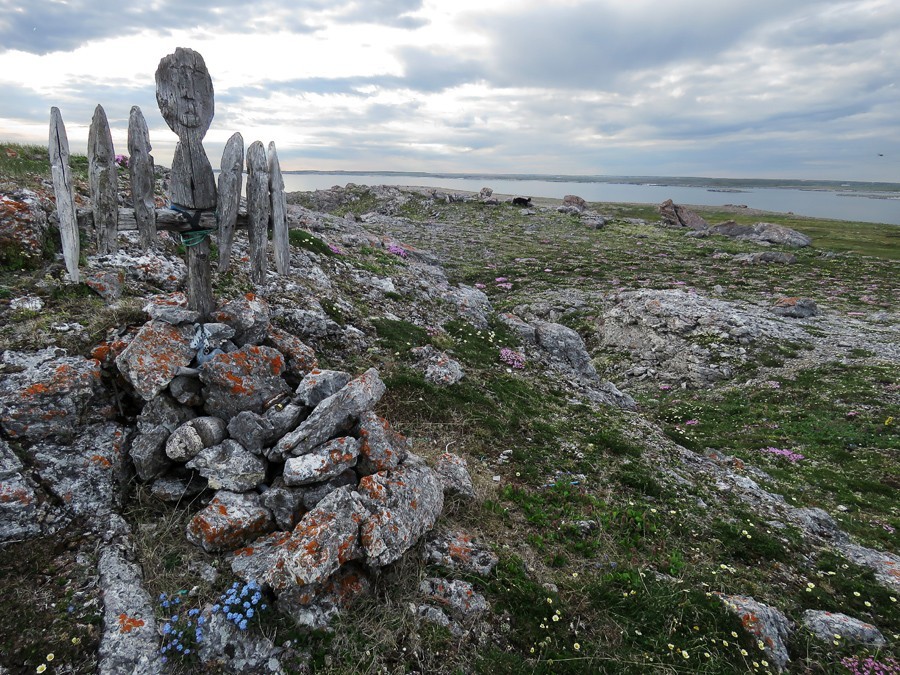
[315, 606]
[301, 359]
[319, 385]
[458, 551]
[459, 598]
[765, 624]
[153, 358]
[228, 522]
[831, 626]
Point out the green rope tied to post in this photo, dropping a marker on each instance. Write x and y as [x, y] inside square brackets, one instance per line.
[196, 234]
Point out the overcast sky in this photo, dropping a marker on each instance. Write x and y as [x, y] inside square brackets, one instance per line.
[735, 88]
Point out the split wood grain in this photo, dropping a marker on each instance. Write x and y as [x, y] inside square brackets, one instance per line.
[103, 180]
[65, 196]
[229, 196]
[143, 180]
[258, 209]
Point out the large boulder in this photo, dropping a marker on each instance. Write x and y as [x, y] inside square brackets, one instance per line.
[49, 394]
[246, 379]
[453, 472]
[319, 385]
[23, 228]
[674, 215]
[770, 233]
[248, 316]
[334, 415]
[565, 347]
[405, 503]
[153, 358]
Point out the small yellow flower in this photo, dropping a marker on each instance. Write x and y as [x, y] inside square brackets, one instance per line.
[743, 652]
[76, 640]
[706, 654]
[867, 603]
[889, 421]
[810, 584]
[893, 599]
[576, 646]
[733, 634]
[50, 656]
[855, 594]
[685, 654]
[532, 650]
[725, 642]
[549, 601]
[760, 644]
[574, 575]
[765, 664]
[556, 617]
[637, 632]
[670, 646]
[41, 668]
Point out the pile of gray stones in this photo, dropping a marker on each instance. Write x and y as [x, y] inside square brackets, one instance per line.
[304, 490]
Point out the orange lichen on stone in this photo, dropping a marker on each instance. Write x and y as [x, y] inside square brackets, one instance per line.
[128, 623]
[101, 460]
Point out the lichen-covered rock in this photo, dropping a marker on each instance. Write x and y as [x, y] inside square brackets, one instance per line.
[285, 503]
[229, 466]
[771, 233]
[171, 308]
[23, 227]
[453, 472]
[674, 215]
[315, 606]
[325, 539]
[51, 395]
[457, 597]
[186, 390]
[249, 316]
[405, 503]
[153, 358]
[457, 551]
[301, 359]
[18, 502]
[326, 461]
[246, 379]
[175, 489]
[796, 308]
[565, 346]
[765, 624]
[885, 565]
[108, 284]
[256, 432]
[192, 437]
[228, 522]
[438, 367]
[831, 626]
[163, 413]
[381, 448]
[313, 494]
[779, 257]
[226, 648]
[319, 385]
[88, 474]
[472, 304]
[522, 329]
[165, 271]
[129, 643]
[148, 453]
[334, 415]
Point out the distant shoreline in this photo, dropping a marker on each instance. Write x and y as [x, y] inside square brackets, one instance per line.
[713, 184]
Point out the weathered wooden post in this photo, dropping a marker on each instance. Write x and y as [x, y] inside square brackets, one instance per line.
[184, 92]
[258, 209]
[229, 196]
[279, 213]
[104, 184]
[65, 196]
[140, 168]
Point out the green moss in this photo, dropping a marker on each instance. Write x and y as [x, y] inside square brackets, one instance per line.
[303, 239]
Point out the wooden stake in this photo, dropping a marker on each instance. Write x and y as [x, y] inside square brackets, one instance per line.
[279, 214]
[65, 198]
[103, 180]
[258, 206]
[229, 196]
[143, 181]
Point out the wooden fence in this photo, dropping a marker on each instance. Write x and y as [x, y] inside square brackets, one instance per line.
[198, 208]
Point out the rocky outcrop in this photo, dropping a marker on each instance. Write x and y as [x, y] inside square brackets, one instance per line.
[831, 626]
[765, 624]
[769, 233]
[674, 215]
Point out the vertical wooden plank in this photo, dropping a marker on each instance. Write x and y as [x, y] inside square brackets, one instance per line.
[229, 196]
[104, 182]
[184, 93]
[258, 206]
[279, 214]
[65, 196]
[140, 168]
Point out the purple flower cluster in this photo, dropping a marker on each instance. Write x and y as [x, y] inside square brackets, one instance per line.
[789, 455]
[334, 249]
[122, 160]
[869, 666]
[512, 358]
[397, 250]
